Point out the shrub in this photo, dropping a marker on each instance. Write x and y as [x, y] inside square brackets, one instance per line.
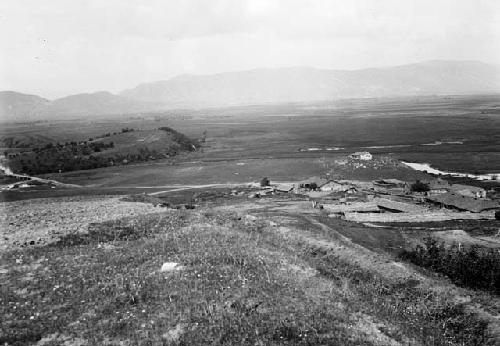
[419, 186]
[472, 267]
[264, 182]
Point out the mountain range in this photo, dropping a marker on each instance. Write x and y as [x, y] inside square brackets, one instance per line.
[260, 86]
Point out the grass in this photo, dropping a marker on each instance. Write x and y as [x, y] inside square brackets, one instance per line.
[241, 284]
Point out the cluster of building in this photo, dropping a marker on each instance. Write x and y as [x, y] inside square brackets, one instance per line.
[349, 199]
[434, 199]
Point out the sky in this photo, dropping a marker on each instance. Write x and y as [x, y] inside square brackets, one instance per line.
[54, 48]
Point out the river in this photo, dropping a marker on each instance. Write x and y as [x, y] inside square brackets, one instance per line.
[425, 167]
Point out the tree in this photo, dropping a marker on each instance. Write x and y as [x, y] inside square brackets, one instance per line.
[419, 186]
[264, 182]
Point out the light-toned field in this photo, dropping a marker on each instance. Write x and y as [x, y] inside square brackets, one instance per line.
[44, 220]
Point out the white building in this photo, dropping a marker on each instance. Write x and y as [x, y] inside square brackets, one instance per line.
[361, 155]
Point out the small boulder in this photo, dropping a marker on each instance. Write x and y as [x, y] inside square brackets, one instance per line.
[251, 218]
[170, 266]
[173, 335]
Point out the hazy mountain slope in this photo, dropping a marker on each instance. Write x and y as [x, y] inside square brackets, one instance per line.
[309, 84]
[98, 103]
[20, 107]
[17, 106]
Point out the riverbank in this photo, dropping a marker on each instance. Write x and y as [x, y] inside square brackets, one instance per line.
[425, 167]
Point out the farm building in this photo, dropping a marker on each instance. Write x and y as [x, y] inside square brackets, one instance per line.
[284, 187]
[391, 186]
[397, 207]
[312, 183]
[437, 186]
[390, 183]
[334, 186]
[467, 190]
[464, 203]
[440, 186]
[361, 155]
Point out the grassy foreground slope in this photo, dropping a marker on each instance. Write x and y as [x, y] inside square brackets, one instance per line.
[243, 280]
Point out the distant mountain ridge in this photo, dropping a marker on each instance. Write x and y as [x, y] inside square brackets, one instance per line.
[259, 86]
[311, 84]
[16, 106]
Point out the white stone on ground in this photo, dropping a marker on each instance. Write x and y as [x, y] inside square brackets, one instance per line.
[170, 266]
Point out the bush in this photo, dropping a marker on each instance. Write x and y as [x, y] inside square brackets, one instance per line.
[264, 182]
[419, 186]
[472, 267]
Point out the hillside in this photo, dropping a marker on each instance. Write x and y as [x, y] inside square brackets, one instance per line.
[241, 272]
[20, 107]
[310, 84]
[17, 106]
[99, 103]
[110, 149]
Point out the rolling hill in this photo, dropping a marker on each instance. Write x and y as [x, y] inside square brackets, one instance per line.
[119, 148]
[260, 86]
[97, 103]
[18, 106]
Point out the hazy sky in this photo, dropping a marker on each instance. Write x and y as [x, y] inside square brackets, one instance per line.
[58, 47]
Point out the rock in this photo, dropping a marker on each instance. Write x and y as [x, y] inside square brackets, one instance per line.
[173, 335]
[170, 266]
[251, 217]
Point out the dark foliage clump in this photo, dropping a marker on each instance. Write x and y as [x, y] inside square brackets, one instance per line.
[91, 154]
[419, 186]
[472, 267]
[264, 182]
[182, 140]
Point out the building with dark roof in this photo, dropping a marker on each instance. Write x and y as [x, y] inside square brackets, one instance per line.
[463, 203]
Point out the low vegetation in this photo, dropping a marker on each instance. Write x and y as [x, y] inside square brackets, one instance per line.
[110, 149]
[472, 266]
[419, 186]
[264, 182]
[237, 283]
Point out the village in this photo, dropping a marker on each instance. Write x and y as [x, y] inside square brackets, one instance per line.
[389, 200]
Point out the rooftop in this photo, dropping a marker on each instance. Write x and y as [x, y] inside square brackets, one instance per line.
[464, 203]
